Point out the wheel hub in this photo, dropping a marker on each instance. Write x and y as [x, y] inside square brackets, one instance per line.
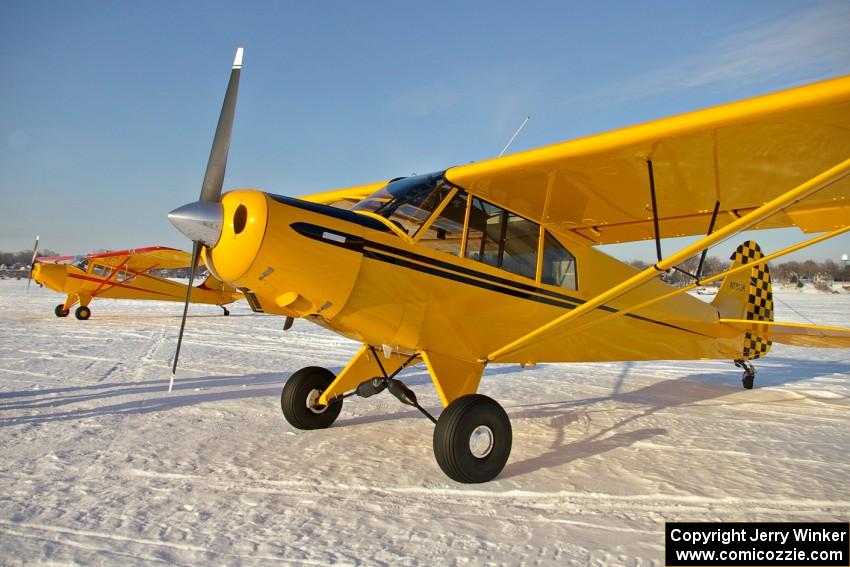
[313, 402]
[481, 442]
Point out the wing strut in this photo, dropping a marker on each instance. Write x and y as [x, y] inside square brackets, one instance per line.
[745, 222]
[696, 277]
[710, 230]
[709, 279]
[655, 228]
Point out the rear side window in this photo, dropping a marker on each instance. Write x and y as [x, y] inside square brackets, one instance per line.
[502, 239]
[101, 271]
[559, 266]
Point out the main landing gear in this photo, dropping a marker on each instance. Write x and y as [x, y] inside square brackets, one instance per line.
[64, 309]
[472, 438]
[749, 373]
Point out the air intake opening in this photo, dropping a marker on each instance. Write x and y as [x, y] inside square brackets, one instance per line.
[240, 218]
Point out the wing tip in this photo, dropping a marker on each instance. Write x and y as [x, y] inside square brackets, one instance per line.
[237, 60]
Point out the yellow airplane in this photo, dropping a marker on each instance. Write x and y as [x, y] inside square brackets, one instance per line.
[124, 274]
[495, 262]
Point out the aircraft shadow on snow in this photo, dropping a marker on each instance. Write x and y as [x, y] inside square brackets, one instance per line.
[83, 402]
[684, 391]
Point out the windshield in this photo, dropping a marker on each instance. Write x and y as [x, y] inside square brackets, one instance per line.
[407, 202]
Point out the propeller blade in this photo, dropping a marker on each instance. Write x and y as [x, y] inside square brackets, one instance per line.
[196, 249]
[32, 262]
[201, 220]
[214, 176]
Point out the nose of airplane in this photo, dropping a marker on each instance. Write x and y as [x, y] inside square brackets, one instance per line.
[199, 221]
[243, 228]
[51, 275]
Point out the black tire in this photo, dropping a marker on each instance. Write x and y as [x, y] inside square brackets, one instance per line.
[747, 381]
[304, 385]
[82, 313]
[453, 439]
[60, 310]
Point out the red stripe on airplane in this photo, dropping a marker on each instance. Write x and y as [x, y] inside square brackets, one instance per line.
[98, 280]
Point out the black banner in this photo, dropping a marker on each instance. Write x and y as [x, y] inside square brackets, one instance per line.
[744, 544]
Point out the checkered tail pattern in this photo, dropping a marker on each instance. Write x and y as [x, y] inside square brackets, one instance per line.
[759, 298]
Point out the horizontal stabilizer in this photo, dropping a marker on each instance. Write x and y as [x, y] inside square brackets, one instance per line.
[797, 334]
[212, 283]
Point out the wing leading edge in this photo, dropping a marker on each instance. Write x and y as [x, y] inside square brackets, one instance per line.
[143, 259]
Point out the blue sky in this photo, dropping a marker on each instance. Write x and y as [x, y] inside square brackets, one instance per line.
[109, 108]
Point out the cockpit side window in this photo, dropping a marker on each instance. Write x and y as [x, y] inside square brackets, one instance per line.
[559, 266]
[446, 232]
[407, 202]
[502, 239]
[81, 263]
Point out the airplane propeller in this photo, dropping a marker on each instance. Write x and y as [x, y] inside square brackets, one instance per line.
[32, 262]
[201, 221]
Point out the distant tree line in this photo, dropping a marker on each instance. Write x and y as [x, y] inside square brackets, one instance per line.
[22, 258]
[785, 272]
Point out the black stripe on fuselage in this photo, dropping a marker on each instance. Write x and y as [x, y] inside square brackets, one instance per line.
[377, 251]
[462, 279]
[335, 212]
[328, 236]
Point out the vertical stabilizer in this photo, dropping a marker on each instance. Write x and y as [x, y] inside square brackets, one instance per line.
[747, 295]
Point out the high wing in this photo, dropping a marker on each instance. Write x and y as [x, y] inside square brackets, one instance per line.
[596, 189]
[140, 260]
[57, 259]
[344, 198]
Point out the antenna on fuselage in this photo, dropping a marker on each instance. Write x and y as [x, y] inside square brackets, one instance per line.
[511, 141]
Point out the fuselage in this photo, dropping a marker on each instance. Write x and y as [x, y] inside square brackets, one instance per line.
[364, 277]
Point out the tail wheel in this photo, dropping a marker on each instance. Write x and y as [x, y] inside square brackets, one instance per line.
[60, 310]
[301, 394]
[472, 439]
[82, 313]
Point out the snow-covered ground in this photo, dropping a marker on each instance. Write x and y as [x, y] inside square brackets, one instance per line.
[100, 465]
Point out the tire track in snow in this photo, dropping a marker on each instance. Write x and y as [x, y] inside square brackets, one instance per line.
[547, 500]
[143, 542]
